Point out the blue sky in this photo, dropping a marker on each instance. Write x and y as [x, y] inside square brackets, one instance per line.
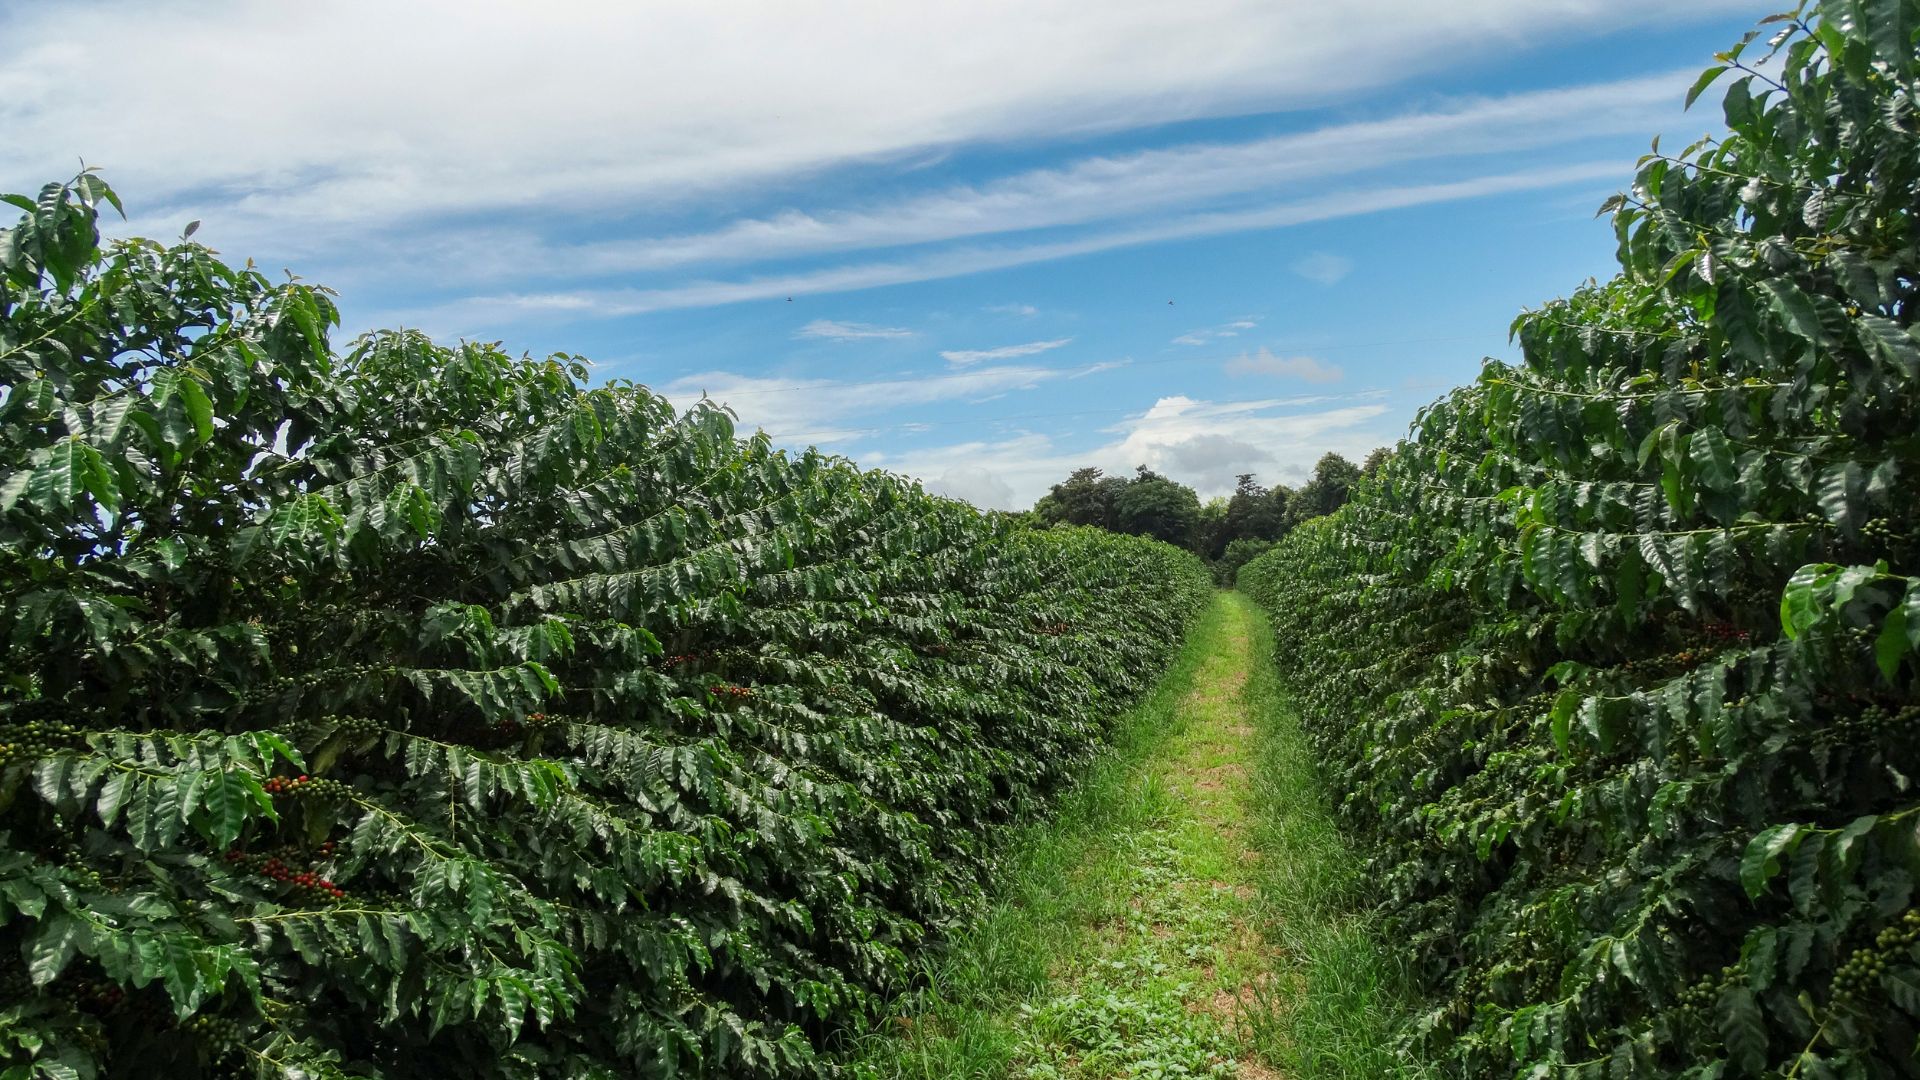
[982, 244]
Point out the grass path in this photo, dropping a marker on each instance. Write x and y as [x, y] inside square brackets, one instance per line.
[1169, 921]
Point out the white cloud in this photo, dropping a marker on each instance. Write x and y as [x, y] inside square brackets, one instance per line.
[1024, 311]
[1214, 333]
[1323, 267]
[1292, 367]
[818, 410]
[965, 357]
[493, 310]
[1201, 443]
[1109, 187]
[1102, 188]
[849, 331]
[407, 110]
[974, 484]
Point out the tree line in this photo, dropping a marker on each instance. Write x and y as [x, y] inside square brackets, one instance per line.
[1227, 531]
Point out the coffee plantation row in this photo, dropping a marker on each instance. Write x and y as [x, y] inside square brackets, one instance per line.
[423, 712]
[1613, 665]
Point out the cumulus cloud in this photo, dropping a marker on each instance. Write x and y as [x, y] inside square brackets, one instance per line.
[1264, 362]
[1323, 267]
[849, 331]
[974, 484]
[965, 357]
[1207, 455]
[1202, 443]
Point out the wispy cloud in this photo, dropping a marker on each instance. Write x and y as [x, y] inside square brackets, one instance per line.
[1323, 267]
[966, 357]
[824, 410]
[1214, 333]
[1292, 367]
[1109, 188]
[1024, 311]
[394, 133]
[849, 331]
[954, 262]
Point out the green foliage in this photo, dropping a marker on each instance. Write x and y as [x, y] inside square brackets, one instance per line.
[421, 712]
[1152, 505]
[1238, 554]
[1084, 498]
[1255, 512]
[1329, 490]
[1613, 662]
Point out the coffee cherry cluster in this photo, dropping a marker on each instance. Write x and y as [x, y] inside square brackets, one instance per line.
[334, 675]
[220, 1034]
[34, 739]
[734, 693]
[313, 884]
[681, 658]
[95, 995]
[508, 728]
[1861, 973]
[1882, 717]
[1881, 531]
[1054, 629]
[306, 787]
[1726, 634]
[1660, 667]
[1702, 995]
[360, 726]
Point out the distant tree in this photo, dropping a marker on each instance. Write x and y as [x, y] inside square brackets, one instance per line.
[1376, 461]
[1332, 483]
[1252, 512]
[1085, 498]
[1152, 505]
[1279, 499]
[1210, 535]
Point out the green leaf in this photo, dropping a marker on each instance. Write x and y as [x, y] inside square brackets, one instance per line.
[1800, 602]
[58, 483]
[228, 799]
[1744, 1030]
[1700, 84]
[199, 407]
[1761, 860]
[1887, 340]
[50, 946]
[1839, 492]
[1712, 458]
[1891, 647]
[1903, 989]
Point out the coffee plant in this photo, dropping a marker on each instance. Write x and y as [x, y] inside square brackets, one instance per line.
[1613, 662]
[420, 711]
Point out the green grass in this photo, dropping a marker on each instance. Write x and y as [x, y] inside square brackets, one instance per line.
[1189, 910]
[1339, 992]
